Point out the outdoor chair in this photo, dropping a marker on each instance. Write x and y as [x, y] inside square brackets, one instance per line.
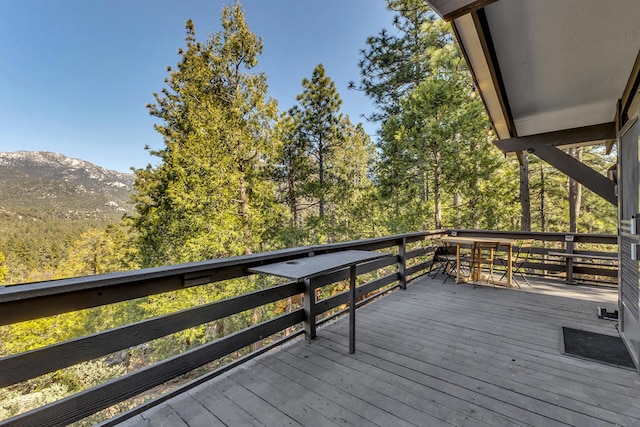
[518, 260]
[444, 256]
[482, 254]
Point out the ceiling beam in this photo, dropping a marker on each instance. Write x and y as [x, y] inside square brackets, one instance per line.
[601, 132]
[577, 170]
[452, 9]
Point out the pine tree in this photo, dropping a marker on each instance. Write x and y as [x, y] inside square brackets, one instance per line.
[319, 128]
[393, 63]
[435, 151]
[327, 160]
[292, 166]
[93, 253]
[208, 196]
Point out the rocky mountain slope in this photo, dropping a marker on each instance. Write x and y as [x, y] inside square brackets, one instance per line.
[40, 185]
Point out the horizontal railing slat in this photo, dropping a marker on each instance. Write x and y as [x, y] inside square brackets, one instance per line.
[609, 239]
[419, 252]
[83, 404]
[343, 298]
[24, 366]
[418, 267]
[343, 274]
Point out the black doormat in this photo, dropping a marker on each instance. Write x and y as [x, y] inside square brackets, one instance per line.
[598, 347]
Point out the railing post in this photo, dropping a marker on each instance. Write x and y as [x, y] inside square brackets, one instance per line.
[569, 246]
[352, 309]
[402, 263]
[309, 310]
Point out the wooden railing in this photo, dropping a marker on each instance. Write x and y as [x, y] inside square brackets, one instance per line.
[411, 256]
[590, 270]
[32, 301]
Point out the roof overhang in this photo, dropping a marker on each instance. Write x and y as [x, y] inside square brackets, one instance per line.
[552, 73]
[547, 65]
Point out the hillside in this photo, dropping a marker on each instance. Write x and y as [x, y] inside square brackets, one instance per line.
[47, 201]
[40, 185]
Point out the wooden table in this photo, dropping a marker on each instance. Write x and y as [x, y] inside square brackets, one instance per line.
[313, 266]
[501, 241]
[570, 256]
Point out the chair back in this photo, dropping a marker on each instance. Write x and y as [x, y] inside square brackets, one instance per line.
[524, 250]
[444, 248]
[484, 251]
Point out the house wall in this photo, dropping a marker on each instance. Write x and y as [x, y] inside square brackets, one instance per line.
[628, 236]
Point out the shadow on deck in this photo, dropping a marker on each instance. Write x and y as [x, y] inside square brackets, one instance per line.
[435, 354]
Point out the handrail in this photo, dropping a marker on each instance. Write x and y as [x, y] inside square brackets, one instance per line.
[25, 301]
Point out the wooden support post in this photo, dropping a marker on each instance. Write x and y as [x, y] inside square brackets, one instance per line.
[309, 310]
[570, 271]
[352, 309]
[402, 263]
[569, 246]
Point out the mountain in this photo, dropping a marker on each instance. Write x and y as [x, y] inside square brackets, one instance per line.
[36, 185]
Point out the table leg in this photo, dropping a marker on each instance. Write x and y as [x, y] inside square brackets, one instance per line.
[510, 265]
[309, 310]
[458, 280]
[352, 309]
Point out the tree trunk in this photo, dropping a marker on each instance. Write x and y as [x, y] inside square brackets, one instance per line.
[321, 178]
[575, 194]
[292, 202]
[244, 211]
[543, 223]
[424, 191]
[457, 201]
[437, 172]
[525, 202]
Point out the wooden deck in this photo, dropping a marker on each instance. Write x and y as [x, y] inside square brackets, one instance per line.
[435, 354]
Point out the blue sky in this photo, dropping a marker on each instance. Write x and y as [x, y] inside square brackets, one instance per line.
[75, 75]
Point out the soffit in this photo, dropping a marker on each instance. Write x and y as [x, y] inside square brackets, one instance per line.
[561, 64]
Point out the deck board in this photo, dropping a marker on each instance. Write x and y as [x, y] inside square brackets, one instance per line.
[222, 407]
[435, 354]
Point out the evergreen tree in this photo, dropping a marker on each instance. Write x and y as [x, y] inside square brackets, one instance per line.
[319, 129]
[325, 161]
[352, 192]
[393, 65]
[436, 159]
[93, 253]
[292, 166]
[208, 197]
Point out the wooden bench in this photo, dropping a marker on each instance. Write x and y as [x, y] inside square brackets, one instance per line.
[570, 256]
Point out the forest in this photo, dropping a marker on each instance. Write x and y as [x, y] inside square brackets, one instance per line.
[240, 174]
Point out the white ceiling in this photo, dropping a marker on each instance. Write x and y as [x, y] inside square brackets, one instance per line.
[564, 63]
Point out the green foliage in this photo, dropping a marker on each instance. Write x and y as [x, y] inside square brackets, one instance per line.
[207, 198]
[550, 197]
[95, 252]
[436, 159]
[319, 132]
[323, 160]
[52, 387]
[35, 247]
[392, 64]
[3, 269]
